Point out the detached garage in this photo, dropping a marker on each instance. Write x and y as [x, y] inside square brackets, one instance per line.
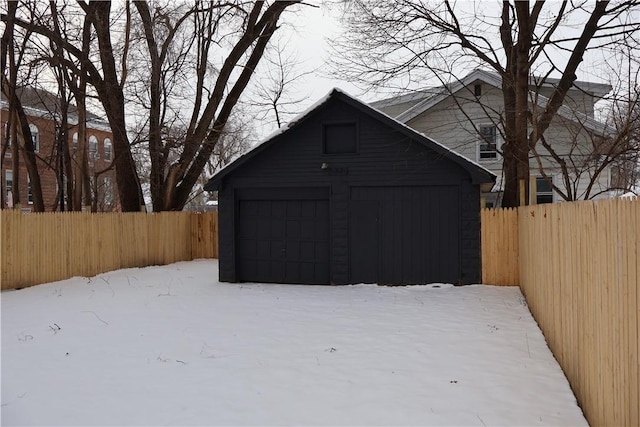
[346, 194]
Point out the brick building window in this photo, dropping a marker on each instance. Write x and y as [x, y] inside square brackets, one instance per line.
[93, 148]
[35, 137]
[8, 185]
[107, 149]
[6, 136]
[29, 192]
[74, 143]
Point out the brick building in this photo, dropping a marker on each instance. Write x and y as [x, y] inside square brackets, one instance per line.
[42, 110]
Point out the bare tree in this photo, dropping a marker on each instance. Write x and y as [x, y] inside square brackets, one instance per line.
[624, 113]
[407, 39]
[46, 65]
[19, 131]
[172, 182]
[237, 138]
[624, 150]
[274, 90]
[239, 30]
[55, 68]
[581, 166]
[72, 87]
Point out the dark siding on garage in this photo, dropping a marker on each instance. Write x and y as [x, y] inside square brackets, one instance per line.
[424, 202]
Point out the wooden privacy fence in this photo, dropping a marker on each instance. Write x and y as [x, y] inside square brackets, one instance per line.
[40, 248]
[578, 267]
[500, 248]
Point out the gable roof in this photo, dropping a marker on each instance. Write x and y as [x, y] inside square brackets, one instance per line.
[598, 90]
[478, 173]
[493, 79]
[412, 96]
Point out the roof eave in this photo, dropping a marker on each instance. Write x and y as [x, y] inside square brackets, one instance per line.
[494, 80]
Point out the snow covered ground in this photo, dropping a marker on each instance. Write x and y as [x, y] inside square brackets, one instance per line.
[172, 346]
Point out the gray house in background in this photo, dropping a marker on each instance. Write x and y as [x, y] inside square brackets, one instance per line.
[465, 116]
[345, 194]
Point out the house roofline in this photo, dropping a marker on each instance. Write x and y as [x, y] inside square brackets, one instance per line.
[407, 97]
[598, 90]
[45, 105]
[495, 81]
[93, 123]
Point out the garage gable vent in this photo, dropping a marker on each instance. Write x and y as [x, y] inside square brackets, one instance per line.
[340, 138]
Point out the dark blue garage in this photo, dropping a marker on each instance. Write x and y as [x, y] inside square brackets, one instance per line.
[346, 194]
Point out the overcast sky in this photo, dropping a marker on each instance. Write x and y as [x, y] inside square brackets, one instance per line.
[315, 22]
[313, 27]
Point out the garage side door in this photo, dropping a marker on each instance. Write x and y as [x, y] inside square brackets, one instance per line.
[411, 234]
[283, 241]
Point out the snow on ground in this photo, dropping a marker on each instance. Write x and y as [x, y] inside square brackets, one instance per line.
[171, 345]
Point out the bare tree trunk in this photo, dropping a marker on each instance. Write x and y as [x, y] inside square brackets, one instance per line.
[522, 73]
[23, 137]
[180, 193]
[509, 148]
[112, 97]
[80, 165]
[158, 161]
[61, 71]
[15, 160]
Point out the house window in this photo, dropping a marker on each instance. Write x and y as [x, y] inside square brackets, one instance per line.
[544, 190]
[93, 148]
[107, 149]
[75, 141]
[35, 137]
[29, 192]
[340, 138]
[477, 89]
[487, 149]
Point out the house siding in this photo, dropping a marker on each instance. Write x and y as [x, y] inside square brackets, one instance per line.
[450, 123]
[575, 99]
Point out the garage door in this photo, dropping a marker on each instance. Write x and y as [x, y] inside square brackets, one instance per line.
[283, 241]
[404, 235]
